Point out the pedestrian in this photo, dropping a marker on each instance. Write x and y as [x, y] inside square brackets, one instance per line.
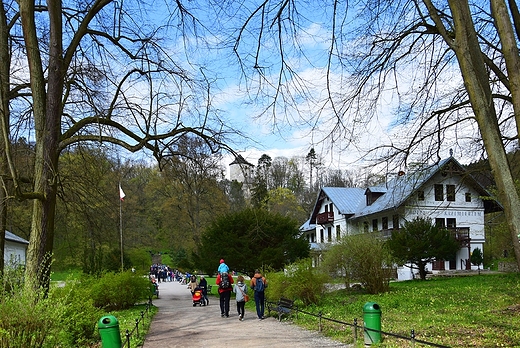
[258, 284]
[193, 284]
[224, 283]
[203, 284]
[222, 267]
[240, 290]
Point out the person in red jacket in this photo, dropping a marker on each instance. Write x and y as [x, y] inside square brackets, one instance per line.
[224, 282]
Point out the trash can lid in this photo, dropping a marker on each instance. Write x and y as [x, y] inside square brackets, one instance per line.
[107, 321]
[371, 307]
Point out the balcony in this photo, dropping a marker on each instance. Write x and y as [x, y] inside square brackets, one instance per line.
[461, 234]
[324, 218]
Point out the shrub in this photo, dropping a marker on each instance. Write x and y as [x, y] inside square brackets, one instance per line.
[27, 317]
[361, 258]
[300, 281]
[115, 291]
[78, 312]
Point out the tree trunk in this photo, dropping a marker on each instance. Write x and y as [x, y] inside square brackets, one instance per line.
[476, 81]
[47, 108]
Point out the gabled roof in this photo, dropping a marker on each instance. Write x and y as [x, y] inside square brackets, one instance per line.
[345, 199]
[14, 238]
[401, 188]
[352, 203]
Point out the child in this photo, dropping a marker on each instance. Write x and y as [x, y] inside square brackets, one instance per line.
[223, 268]
[240, 290]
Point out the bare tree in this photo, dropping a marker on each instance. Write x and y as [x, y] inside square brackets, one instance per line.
[97, 71]
[451, 66]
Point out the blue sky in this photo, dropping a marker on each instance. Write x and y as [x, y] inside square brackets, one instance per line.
[307, 120]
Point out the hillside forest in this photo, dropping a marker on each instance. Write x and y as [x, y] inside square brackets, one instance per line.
[168, 206]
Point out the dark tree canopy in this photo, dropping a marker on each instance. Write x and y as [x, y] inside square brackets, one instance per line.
[251, 239]
[420, 242]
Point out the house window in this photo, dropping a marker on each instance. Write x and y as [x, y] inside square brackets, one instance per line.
[451, 223]
[450, 193]
[329, 234]
[365, 226]
[395, 221]
[331, 207]
[338, 232]
[321, 235]
[439, 192]
[468, 196]
[313, 237]
[440, 223]
[374, 225]
[420, 195]
[326, 208]
[384, 222]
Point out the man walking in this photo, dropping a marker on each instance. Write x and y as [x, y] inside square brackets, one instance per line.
[224, 282]
[258, 284]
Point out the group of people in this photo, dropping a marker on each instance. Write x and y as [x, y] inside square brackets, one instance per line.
[225, 286]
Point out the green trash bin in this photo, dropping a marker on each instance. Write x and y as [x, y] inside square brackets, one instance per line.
[108, 327]
[372, 321]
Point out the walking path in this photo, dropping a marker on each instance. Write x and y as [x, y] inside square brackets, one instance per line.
[179, 324]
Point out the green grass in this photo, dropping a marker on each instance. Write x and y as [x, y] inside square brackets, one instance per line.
[127, 318]
[57, 276]
[476, 311]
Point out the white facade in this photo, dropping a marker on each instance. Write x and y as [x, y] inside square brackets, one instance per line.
[444, 192]
[15, 250]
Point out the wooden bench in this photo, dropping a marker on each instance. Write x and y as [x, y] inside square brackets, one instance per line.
[284, 306]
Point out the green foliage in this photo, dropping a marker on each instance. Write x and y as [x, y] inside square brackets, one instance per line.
[28, 320]
[64, 317]
[420, 242]
[79, 314]
[114, 291]
[360, 258]
[301, 281]
[476, 257]
[459, 312]
[250, 239]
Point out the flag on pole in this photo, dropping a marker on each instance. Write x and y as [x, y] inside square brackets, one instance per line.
[121, 193]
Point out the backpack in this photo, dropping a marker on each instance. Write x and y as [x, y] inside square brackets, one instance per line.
[224, 281]
[259, 285]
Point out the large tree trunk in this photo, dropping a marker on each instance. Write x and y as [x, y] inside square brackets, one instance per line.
[476, 81]
[47, 108]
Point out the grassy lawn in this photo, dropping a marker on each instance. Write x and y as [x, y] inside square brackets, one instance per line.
[471, 311]
[127, 320]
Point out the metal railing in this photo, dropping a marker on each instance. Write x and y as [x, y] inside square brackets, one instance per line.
[135, 330]
[356, 328]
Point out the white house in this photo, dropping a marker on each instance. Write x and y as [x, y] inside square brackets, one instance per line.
[15, 249]
[445, 192]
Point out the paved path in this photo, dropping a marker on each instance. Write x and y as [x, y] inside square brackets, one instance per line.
[179, 324]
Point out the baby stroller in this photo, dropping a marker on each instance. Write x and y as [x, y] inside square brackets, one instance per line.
[197, 297]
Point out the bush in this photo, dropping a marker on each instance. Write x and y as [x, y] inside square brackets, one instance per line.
[78, 313]
[300, 281]
[28, 320]
[116, 291]
[361, 258]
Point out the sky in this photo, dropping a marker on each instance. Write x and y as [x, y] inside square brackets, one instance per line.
[306, 121]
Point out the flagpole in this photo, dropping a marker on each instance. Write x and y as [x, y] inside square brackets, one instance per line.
[121, 225]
